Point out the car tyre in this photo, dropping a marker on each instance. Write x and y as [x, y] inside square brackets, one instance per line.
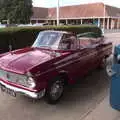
[55, 90]
[103, 63]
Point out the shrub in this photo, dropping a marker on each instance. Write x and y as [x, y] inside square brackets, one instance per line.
[20, 37]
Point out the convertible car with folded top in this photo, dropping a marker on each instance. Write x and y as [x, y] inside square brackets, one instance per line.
[55, 60]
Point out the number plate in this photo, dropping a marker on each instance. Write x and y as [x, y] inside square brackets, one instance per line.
[7, 90]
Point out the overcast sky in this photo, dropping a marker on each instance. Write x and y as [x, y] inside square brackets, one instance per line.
[52, 3]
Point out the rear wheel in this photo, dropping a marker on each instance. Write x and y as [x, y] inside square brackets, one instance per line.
[103, 63]
[109, 70]
[110, 62]
[55, 90]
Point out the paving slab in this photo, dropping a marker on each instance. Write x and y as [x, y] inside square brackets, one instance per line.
[103, 112]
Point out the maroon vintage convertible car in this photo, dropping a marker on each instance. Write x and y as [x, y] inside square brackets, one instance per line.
[55, 59]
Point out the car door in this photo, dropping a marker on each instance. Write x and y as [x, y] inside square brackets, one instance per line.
[87, 57]
[100, 52]
[81, 58]
[67, 45]
[94, 56]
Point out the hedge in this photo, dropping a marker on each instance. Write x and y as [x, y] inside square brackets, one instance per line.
[20, 37]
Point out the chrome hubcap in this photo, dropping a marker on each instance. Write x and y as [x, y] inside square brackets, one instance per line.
[109, 66]
[56, 90]
[109, 70]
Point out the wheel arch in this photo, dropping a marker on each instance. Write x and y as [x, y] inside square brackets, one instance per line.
[64, 75]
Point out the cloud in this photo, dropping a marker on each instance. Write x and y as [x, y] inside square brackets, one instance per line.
[39, 3]
[45, 3]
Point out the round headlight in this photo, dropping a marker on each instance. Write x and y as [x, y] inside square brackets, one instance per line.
[31, 82]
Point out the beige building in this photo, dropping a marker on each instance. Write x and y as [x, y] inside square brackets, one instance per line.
[105, 16]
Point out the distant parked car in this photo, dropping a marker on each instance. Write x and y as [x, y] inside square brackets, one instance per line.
[32, 25]
[55, 59]
[24, 25]
[40, 24]
[11, 25]
[37, 24]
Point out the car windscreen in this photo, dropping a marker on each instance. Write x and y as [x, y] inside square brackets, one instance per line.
[48, 40]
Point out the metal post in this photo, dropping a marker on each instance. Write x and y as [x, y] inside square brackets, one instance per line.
[30, 21]
[81, 21]
[108, 22]
[8, 21]
[104, 19]
[66, 22]
[57, 12]
[99, 22]
[111, 23]
[118, 23]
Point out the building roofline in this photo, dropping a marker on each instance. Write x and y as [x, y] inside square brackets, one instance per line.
[79, 5]
[77, 15]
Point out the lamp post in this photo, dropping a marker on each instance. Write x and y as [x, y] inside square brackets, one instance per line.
[104, 18]
[57, 12]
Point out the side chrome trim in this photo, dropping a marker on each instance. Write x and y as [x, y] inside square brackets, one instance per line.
[34, 95]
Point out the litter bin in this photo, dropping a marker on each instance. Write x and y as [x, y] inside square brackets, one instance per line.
[115, 87]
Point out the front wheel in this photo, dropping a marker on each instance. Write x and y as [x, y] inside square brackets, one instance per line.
[55, 90]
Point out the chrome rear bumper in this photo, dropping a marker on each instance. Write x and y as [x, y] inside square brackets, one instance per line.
[33, 95]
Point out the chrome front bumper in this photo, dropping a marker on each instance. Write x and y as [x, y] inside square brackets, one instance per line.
[33, 95]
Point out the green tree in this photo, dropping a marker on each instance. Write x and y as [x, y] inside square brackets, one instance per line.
[16, 11]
